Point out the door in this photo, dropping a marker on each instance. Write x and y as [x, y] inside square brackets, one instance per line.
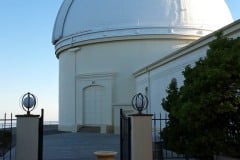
[94, 101]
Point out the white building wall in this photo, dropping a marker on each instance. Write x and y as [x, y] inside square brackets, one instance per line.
[158, 75]
[109, 65]
[122, 58]
[67, 110]
[158, 79]
[162, 76]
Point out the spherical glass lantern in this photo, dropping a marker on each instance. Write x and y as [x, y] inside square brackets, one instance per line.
[28, 102]
[140, 102]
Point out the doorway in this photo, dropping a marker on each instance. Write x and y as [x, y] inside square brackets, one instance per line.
[94, 100]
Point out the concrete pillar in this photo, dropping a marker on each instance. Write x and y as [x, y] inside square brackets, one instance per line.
[141, 136]
[27, 135]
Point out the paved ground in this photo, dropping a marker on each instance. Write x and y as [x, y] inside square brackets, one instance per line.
[76, 146]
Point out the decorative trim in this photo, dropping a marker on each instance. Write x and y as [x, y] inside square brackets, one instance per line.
[67, 43]
[96, 75]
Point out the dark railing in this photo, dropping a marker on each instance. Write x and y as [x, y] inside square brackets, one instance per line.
[40, 136]
[159, 148]
[125, 136]
[7, 136]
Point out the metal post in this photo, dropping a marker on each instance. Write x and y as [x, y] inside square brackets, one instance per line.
[129, 138]
[40, 136]
[4, 128]
[161, 140]
[4, 122]
[121, 136]
[155, 139]
[125, 136]
[11, 137]
[166, 154]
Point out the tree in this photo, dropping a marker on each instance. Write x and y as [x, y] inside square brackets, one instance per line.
[204, 113]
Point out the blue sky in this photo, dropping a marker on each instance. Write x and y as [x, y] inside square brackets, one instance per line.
[28, 63]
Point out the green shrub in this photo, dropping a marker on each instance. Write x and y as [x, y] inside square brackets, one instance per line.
[204, 113]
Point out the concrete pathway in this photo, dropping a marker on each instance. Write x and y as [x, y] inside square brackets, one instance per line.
[78, 146]
[75, 146]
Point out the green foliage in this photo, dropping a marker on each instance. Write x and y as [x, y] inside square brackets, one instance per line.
[5, 139]
[205, 112]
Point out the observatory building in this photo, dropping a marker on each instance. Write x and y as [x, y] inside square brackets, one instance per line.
[109, 51]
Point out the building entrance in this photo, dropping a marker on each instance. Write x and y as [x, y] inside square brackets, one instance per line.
[94, 101]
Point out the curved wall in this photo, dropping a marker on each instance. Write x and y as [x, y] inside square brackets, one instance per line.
[110, 65]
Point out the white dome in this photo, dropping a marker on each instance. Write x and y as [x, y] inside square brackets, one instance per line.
[82, 20]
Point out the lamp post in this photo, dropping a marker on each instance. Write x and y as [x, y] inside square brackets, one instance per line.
[141, 129]
[29, 131]
[139, 102]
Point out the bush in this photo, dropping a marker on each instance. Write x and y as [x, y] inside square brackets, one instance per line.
[204, 113]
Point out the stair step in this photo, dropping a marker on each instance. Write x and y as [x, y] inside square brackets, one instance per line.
[89, 129]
